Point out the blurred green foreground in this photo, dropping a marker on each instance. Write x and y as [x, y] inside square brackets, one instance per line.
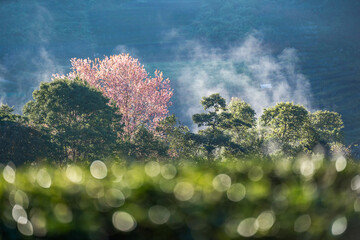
[307, 198]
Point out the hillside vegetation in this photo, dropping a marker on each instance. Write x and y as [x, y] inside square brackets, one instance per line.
[257, 198]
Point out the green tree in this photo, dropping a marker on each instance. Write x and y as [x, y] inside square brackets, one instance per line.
[286, 125]
[20, 142]
[216, 119]
[6, 114]
[242, 125]
[171, 140]
[143, 144]
[325, 128]
[178, 138]
[328, 126]
[79, 118]
[243, 112]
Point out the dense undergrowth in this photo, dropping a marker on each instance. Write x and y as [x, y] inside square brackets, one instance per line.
[258, 198]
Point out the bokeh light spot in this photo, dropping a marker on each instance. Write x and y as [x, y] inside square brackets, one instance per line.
[159, 214]
[43, 178]
[9, 174]
[248, 227]
[236, 192]
[266, 220]
[340, 163]
[339, 226]
[307, 168]
[302, 223]
[168, 171]
[221, 182]
[74, 174]
[355, 183]
[123, 221]
[114, 197]
[25, 228]
[152, 169]
[18, 213]
[19, 197]
[98, 169]
[184, 191]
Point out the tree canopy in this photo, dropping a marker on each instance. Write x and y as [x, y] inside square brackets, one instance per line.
[142, 100]
[242, 126]
[286, 124]
[6, 114]
[79, 118]
[296, 129]
[328, 126]
[20, 142]
[217, 120]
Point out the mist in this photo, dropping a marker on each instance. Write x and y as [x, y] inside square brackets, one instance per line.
[249, 71]
[24, 67]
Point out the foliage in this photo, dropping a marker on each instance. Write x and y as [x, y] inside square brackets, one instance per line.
[243, 112]
[286, 128]
[286, 124]
[178, 138]
[77, 116]
[212, 137]
[6, 114]
[20, 142]
[213, 118]
[295, 129]
[242, 128]
[328, 126]
[141, 100]
[309, 198]
[143, 144]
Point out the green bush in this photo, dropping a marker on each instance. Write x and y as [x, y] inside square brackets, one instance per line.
[306, 198]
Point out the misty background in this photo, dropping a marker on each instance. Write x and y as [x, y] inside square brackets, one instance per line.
[263, 51]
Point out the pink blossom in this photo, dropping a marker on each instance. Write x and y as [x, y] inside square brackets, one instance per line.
[141, 99]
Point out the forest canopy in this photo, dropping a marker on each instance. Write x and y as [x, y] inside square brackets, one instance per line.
[113, 107]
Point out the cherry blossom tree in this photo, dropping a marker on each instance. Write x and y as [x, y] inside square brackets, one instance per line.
[142, 100]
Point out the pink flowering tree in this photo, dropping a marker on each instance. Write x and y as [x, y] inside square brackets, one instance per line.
[142, 100]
